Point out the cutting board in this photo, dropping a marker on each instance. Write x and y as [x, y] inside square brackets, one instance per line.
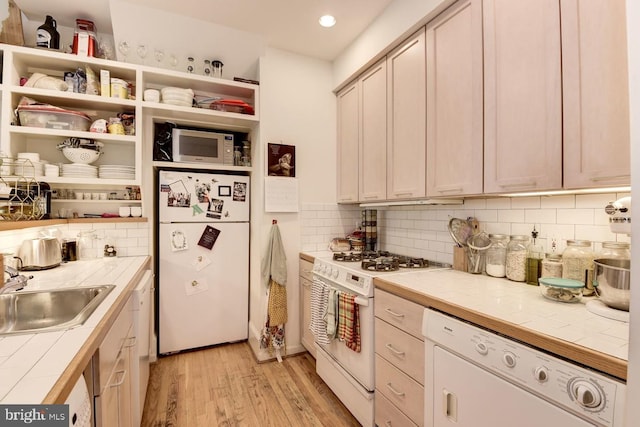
[12, 27]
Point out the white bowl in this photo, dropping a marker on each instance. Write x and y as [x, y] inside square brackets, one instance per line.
[34, 157]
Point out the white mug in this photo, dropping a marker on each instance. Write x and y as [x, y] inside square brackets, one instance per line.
[124, 211]
[136, 211]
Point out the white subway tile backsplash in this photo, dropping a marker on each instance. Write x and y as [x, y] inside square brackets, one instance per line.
[511, 215]
[576, 216]
[422, 230]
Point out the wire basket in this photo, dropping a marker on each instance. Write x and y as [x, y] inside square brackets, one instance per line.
[21, 198]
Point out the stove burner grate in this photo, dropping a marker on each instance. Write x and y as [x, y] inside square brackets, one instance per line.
[381, 264]
[347, 257]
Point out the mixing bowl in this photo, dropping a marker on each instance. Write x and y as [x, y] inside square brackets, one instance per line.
[612, 282]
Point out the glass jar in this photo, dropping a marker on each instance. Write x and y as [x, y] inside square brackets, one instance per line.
[516, 263]
[497, 255]
[86, 245]
[552, 266]
[577, 263]
[614, 250]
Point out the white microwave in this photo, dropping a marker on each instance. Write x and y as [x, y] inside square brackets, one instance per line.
[196, 146]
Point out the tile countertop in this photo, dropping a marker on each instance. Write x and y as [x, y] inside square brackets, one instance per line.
[519, 310]
[32, 366]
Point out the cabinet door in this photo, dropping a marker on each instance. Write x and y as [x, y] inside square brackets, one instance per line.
[348, 137]
[373, 136]
[523, 117]
[406, 128]
[454, 101]
[595, 94]
[306, 335]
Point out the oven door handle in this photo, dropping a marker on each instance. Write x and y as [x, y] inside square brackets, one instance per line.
[393, 313]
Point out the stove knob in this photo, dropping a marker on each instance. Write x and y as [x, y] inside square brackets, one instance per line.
[541, 374]
[509, 359]
[323, 269]
[334, 273]
[586, 393]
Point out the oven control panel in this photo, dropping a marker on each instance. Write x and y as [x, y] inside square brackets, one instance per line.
[358, 283]
[587, 393]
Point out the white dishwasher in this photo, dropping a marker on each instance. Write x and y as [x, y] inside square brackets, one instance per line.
[142, 329]
[476, 378]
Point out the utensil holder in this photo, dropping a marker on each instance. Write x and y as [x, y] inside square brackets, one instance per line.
[460, 258]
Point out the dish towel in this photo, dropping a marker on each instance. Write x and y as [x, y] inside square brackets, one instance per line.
[274, 273]
[349, 321]
[332, 313]
[319, 303]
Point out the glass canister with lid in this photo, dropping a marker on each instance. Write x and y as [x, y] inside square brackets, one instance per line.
[496, 259]
[614, 250]
[516, 262]
[577, 263]
[551, 266]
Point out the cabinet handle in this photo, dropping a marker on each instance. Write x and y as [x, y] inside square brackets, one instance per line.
[132, 342]
[393, 313]
[387, 423]
[519, 184]
[449, 190]
[406, 193]
[393, 350]
[370, 197]
[607, 178]
[394, 391]
[119, 383]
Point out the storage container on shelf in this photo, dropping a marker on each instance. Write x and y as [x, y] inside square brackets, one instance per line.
[516, 263]
[577, 263]
[496, 259]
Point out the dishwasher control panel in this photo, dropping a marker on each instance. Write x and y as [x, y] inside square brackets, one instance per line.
[585, 392]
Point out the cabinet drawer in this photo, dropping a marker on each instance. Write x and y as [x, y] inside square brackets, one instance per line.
[306, 269]
[405, 393]
[399, 312]
[388, 415]
[400, 349]
[111, 346]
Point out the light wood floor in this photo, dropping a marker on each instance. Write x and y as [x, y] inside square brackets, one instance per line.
[225, 386]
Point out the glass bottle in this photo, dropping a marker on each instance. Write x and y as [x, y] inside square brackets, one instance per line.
[551, 266]
[497, 255]
[535, 254]
[577, 263]
[516, 264]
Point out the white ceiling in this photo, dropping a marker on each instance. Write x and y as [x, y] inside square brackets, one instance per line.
[290, 25]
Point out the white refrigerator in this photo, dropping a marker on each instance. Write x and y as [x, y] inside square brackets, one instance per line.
[203, 259]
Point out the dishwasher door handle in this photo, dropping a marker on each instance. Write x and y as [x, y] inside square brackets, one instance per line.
[450, 405]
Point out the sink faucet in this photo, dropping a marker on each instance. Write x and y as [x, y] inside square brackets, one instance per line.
[15, 282]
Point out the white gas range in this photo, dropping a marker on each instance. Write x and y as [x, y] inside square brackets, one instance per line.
[350, 374]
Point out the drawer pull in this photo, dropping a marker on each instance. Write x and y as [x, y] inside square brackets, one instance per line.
[393, 313]
[132, 341]
[394, 391]
[119, 383]
[387, 423]
[395, 351]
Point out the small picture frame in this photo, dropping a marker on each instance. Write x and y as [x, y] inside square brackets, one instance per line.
[224, 191]
[281, 160]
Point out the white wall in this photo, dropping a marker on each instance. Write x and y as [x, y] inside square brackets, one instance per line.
[633, 376]
[297, 108]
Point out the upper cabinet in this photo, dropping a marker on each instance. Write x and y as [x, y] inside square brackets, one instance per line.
[406, 123]
[595, 94]
[348, 140]
[454, 101]
[373, 134]
[522, 96]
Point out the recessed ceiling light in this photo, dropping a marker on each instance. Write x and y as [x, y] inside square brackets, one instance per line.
[327, 21]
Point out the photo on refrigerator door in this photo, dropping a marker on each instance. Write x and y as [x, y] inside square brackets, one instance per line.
[215, 208]
[202, 191]
[209, 237]
[178, 196]
[239, 191]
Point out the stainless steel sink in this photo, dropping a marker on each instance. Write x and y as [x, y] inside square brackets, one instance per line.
[51, 310]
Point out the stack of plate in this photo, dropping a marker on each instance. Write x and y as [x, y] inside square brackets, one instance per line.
[79, 170]
[117, 172]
